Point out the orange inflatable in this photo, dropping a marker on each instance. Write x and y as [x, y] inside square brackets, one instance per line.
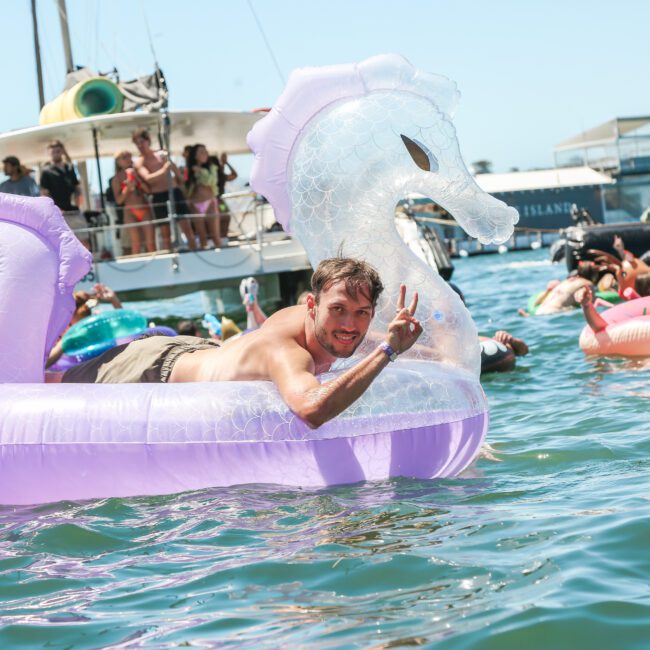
[627, 333]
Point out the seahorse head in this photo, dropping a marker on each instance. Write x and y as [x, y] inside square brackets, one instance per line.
[342, 146]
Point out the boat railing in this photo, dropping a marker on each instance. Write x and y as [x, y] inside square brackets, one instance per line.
[457, 239]
[251, 222]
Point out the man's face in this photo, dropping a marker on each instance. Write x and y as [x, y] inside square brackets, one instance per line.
[340, 321]
[56, 154]
[142, 144]
[8, 169]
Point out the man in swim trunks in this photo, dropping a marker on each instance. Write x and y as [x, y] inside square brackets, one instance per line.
[161, 174]
[293, 346]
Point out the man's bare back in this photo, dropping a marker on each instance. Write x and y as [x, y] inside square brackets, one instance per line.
[247, 357]
[561, 296]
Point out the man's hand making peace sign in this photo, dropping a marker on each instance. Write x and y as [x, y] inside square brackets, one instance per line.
[404, 330]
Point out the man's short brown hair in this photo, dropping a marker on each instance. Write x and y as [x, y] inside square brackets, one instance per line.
[141, 133]
[359, 277]
[55, 143]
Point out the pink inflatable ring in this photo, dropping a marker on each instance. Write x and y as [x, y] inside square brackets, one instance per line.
[627, 333]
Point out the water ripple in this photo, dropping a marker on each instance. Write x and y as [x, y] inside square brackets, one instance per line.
[542, 544]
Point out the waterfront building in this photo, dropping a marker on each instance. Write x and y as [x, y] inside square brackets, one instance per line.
[619, 148]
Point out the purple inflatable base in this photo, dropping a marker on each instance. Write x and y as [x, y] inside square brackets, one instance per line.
[42, 473]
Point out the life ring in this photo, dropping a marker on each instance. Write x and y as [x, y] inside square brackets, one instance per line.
[495, 356]
[627, 333]
[424, 416]
[91, 336]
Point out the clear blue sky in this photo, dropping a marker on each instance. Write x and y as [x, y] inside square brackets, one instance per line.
[530, 72]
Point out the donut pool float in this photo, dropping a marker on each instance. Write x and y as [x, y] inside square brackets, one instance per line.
[627, 333]
[341, 146]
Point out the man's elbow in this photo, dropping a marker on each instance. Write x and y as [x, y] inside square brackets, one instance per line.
[311, 416]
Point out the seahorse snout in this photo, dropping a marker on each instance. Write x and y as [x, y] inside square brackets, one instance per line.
[482, 216]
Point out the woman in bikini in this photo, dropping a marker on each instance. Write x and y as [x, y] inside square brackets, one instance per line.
[129, 190]
[202, 190]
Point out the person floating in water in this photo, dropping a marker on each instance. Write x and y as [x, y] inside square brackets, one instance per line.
[558, 296]
[498, 352]
[293, 346]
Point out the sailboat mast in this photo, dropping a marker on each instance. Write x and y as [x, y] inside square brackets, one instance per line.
[37, 54]
[82, 168]
[65, 35]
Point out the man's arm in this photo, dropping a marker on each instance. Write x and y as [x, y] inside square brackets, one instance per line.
[76, 185]
[292, 370]
[518, 346]
[148, 176]
[584, 298]
[315, 403]
[106, 294]
[232, 175]
[45, 183]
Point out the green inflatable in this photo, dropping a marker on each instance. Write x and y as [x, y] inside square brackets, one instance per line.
[84, 338]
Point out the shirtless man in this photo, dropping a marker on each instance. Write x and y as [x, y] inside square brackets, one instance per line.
[558, 296]
[159, 172]
[293, 346]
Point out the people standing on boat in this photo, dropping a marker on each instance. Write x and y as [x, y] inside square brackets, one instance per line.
[293, 346]
[223, 178]
[19, 181]
[162, 176]
[59, 181]
[129, 191]
[201, 188]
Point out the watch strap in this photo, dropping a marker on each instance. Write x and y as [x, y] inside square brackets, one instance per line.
[388, 350]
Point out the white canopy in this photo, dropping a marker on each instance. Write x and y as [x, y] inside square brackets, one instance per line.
[606, 133]
[541, 179]
[219, 131]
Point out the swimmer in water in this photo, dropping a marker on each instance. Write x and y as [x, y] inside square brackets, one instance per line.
[558, 296]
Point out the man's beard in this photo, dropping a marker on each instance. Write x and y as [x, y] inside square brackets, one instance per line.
[320, 334]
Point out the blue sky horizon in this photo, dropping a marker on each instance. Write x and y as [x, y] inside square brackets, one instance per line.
[531, 74]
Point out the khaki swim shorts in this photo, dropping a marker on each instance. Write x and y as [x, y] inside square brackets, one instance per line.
[148, 360]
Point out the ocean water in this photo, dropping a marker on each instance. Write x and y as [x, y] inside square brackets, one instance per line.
[544, 543]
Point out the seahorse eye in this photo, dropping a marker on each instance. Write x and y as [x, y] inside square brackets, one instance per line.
[421, 156]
